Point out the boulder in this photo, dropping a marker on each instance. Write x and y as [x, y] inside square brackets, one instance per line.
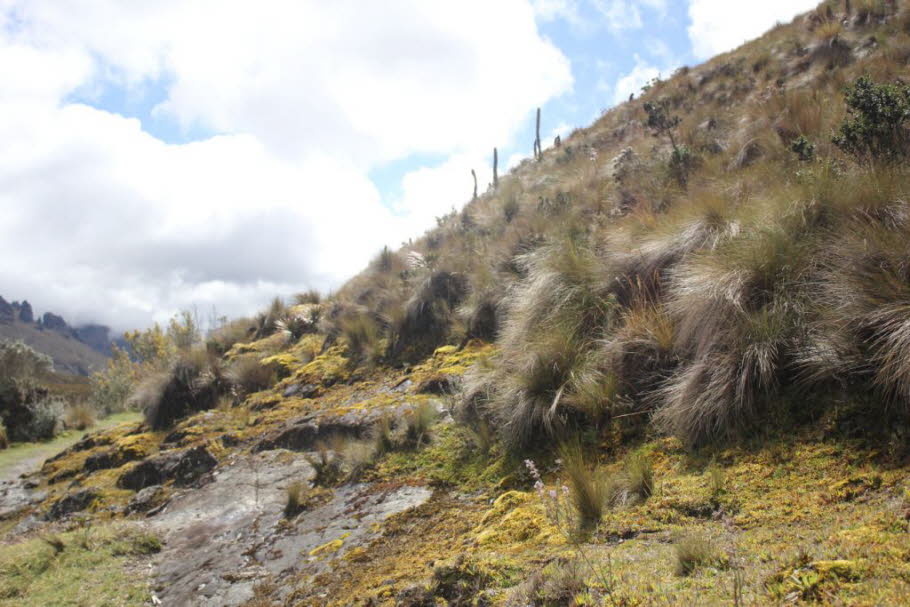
[74, 502]
[182, 467]
[437, 384]
[304, 433]
[111, 458]
[147, 499]
[300, 391]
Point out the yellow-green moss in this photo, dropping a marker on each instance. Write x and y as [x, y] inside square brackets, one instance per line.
[328, 548]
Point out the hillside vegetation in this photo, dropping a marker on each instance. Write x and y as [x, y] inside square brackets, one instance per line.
[666, 363]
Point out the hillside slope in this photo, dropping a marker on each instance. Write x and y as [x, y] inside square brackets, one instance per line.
[666, 364]
[68, 353]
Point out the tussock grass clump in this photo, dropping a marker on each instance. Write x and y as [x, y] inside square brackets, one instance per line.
[428, 315]
[561, 582]
[382, 436]
[233, 332]
[295, 494]
[636, 483]
[737, 309]
[589, 487]
[194, 382]
[364, 338]
[79, 416]
[265, 323]
[417, 424]
[328, 465]
[864, 299]
[693, 551]
[554, 319]
[247, 374]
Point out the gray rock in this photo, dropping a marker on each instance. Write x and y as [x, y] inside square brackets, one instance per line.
[74, 502]
[183, 467]
[147, 499]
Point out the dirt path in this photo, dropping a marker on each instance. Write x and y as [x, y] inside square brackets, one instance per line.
[24, 458]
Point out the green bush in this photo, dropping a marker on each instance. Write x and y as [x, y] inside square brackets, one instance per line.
[44, 422]
[803, 148]
[876, 128]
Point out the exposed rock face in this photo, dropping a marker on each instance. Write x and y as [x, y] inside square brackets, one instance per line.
[98, 337]
[184, 467]
[71, 503]
[147, 499]
[7, 313]
[53, 322]
[26, 314]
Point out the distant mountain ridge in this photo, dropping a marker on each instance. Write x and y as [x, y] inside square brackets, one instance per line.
[77, 350]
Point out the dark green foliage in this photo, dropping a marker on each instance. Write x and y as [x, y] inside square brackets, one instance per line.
[877, 126]
[660, 121]
[26, 410]
[803, 148]
[682, 162]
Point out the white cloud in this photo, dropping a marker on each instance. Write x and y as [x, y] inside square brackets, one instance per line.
[641, 74]
[718, 26]
[619, 15]
[550, 10]
[624, 15]
[108, 223]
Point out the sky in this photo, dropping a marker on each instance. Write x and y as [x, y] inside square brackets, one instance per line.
[211, 154]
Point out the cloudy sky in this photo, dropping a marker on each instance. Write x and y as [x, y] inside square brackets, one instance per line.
[156, 156]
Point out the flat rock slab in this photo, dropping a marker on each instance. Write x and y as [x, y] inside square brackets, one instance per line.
[223, 538]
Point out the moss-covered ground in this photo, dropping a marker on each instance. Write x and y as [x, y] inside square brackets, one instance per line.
[89, 567]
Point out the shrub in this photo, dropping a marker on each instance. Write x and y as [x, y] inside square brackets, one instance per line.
[111, 388]
[45, 421]
[803, 148]
[682, 162]
[876, 128]
[20, 362]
